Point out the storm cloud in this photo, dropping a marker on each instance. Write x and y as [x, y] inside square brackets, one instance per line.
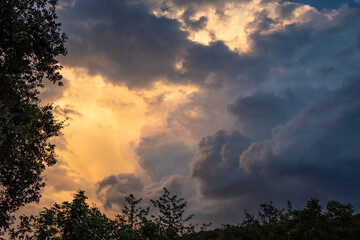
[315, 154]
[319, 148]
[259, 113]
[216, 164]
[127, 44]
[113, 189]
[294, 95]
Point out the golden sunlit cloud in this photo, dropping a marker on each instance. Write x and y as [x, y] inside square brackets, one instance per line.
[110, 119]
[231, 24]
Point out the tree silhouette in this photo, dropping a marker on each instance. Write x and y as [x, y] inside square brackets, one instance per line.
[67, 221]
[30, 40]
[170, 217]
[77, 220]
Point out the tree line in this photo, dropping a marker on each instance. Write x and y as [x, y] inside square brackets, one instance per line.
[76, 220]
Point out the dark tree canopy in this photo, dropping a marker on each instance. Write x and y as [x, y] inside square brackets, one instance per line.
[171, 215]
[77, 220]
[30, 39]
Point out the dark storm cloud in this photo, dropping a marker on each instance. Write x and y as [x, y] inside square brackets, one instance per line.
[297, 54]
[259, 113]
[162, 157]
[319, 148]
[122, 42]
[325, 136]
[313, 148]
[127, 44]
[216, 64]
[215, 165]
[114, 188]
[313, 155]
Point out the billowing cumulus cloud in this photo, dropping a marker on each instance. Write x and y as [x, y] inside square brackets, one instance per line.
[122, 42]
[259, 113]
[216, 164]
[315, 154]
[114, 188]
[318, 148]
[128, 44]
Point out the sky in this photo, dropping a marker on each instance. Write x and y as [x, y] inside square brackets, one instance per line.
[226, 103]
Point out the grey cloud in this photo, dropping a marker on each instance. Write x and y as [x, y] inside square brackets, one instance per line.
[215, 165]
[317, 150]
[127, 44]
[161, 157]
[259, 113]
[286, 9]
[194, 25]
[114, 188]
[315, 154]
[216, 64]
[122, 41]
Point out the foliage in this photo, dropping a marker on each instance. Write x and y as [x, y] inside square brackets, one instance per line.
[310, 223]
[170, 218]
[134, 216]
[131, 223]
[30, 40]
[77, 220]
[69, 220]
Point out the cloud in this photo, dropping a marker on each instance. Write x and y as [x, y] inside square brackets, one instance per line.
[316, 152]
[194, 25]
[162, 157]
[295, 54]
[215, 165]
[259, 113]
[121, 41]
[129, 45]
[114, 188]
